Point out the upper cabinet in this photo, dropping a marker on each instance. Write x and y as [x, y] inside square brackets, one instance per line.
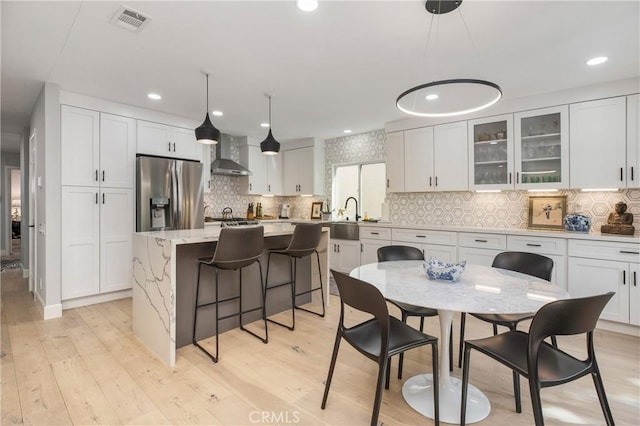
[303, 164]
[633, 141]
[450, 172]
[542, 148]
[395, 162]
[491, 153]
[598, 144]
[266, 171]
[418, 160]
[98, 149]
[167, 141]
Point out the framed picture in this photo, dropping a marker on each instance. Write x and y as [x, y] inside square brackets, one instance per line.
[547, 212]
[316, 210]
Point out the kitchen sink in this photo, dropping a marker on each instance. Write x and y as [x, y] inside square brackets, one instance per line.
[344, 230]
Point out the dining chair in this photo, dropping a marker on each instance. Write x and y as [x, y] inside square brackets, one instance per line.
[391, 253]
[304, 242]
[527, 263]
[543, 364]
[378, 338]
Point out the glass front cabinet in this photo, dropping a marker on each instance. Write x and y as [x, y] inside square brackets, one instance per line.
[491, 153]
[542, 148]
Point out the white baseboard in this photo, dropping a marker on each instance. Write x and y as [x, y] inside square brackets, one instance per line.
[48, 311]
[617, 327]
[98, 298]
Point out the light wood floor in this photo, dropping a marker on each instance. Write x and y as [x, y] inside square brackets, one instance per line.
[88, 368]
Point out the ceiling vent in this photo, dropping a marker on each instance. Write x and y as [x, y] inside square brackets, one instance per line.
[130, 19]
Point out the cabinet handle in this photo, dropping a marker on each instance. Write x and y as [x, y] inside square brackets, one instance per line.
[533, 245]
[509, 177]
[624, 277]
[517, 177]
[169, 146]
[374, 233]
[338, 248]
[250, 187]
[209, 184]
[103, 198]
[421, 236]
[103, 175]
[96, 198]
[361, 248]
[632, 173]
[482, 241]
[621, 171]
[629, 252]
[387, 183]
[174, 147]
[429, 180]
[268, 188]
[436, 181]
[634, 279]
[96, 175]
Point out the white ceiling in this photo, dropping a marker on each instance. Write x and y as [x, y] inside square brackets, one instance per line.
[338, 68]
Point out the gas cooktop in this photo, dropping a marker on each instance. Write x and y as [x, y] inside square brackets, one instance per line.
[235, 221]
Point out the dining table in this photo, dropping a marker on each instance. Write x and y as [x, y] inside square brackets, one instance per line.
[482, 290]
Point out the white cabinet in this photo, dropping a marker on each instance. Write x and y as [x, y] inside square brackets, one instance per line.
[303, 171]
[542, 148]
[434, 159]
[598, 267]
[553, 248]
[439, 244]
[266, 171]
[491, 153]
[344, 255]
[167, 141]
[96, 243]
[598, 143]
[480, 248]
[371, 239]
[395, 162]
[98, 149]
[633, 141]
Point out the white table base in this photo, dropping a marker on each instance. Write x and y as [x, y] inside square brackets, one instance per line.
[418, 390]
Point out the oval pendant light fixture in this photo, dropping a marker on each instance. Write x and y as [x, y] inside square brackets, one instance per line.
[450, 97]
[207, 133]
[270, 146]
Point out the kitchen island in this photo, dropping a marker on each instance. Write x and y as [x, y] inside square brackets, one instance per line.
[164, 281]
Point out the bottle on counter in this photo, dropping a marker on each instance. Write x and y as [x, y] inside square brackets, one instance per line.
[250, 214]
[259, 210]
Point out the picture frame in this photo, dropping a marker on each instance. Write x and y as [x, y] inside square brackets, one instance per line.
[547, 212]
[316, 210]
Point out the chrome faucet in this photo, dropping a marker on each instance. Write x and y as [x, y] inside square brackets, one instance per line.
[347, 202]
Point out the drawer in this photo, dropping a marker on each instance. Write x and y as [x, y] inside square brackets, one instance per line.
[605, 250]
[375, 233]
[540, 245]
[419, 236]
[490, 241]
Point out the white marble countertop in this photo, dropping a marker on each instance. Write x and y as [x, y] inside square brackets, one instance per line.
[513, 231]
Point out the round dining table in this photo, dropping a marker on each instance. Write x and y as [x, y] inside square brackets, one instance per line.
[482, 289]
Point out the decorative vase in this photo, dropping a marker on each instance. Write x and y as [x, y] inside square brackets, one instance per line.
[577, 222]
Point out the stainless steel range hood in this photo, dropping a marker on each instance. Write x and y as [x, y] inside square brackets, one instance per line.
[223, 165]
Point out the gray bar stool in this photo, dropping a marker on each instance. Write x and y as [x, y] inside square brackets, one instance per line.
[304, 242]
[237, 248]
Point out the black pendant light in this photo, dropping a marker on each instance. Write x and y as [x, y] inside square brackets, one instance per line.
[207, 133]
[270, 146]
[450, 97]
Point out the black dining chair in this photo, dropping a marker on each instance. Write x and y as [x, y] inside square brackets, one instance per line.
[391, 253]
[527, 263]
[378, 338]
[543, 364]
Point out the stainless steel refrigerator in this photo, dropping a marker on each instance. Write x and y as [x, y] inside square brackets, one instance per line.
[169, 194]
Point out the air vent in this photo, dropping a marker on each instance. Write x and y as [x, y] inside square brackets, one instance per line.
[130, 19]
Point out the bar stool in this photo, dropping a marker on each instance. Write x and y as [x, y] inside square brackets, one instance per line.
[237, 248]
[304, 242]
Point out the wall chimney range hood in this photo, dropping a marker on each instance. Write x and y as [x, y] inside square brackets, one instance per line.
[223, 165]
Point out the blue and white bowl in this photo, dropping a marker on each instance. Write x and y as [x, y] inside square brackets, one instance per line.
[577, 223]
[439, 270]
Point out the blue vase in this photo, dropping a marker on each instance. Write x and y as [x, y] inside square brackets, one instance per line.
[577, 223]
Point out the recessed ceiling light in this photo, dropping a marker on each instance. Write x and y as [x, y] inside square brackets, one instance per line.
[597, 60]
[217, 113]
[347, 131]
[431, 97]
[154, 96]
[264, 124]
[307, 5]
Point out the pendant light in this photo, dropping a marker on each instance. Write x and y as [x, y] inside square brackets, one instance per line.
[450, 97]
[207, 133]
[270, 146]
